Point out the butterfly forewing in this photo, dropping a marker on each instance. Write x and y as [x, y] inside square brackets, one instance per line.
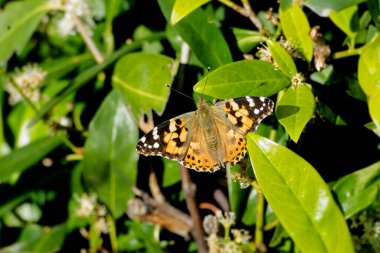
[245, 113]
[169, 139]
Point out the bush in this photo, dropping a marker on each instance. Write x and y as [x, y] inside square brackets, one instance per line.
[82, 79]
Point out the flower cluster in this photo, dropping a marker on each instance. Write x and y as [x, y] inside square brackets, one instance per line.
[88, 207]
[72, 9]
[25, 83]
[365, 228]
[233, 241]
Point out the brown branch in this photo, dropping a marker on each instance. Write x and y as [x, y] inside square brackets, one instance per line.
[83, 31]
[189, 189]
[251, 14]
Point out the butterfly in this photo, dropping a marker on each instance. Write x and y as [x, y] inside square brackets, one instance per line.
[210, 138]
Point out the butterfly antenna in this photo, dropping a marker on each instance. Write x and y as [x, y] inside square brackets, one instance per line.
[204, 86]
[183, 94]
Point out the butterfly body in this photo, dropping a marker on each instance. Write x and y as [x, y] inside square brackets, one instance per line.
[209, 138]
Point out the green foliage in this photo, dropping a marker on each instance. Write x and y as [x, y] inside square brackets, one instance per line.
[79, 79]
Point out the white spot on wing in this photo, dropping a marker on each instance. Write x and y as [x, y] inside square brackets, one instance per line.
[156, 145]
[143, 139]
[262, 99]
[250, 101]
[256, 111]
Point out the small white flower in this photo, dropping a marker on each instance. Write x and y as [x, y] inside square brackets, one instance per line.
[87, 205]
[241, 236]
[227, 219]
[101, 225]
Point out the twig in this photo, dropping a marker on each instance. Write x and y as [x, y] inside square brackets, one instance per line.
[251, 14]
[189, 190]
[87, 39]
[245, 11]
[259, 242]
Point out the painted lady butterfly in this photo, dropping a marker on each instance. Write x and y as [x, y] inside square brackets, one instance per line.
[209, 138]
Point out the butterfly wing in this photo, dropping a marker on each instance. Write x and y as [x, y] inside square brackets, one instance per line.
[245, 113]
[169, 139]
[242, 115]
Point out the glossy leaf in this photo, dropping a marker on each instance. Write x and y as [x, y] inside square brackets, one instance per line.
[299, 197]
[323, 8]
[142, 79]
[374, 108]
[296, 28]
[184, 7]
[16, 30]
[205, 39]
[243, 78]
[358, 190]
[21, 159]
[247, 39]
[110, 158]
[295, 109]
[90, 73]
[369, 67]
[282, 59]
[347, 20]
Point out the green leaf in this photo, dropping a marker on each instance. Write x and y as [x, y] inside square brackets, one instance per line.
[374, 108]
[322, 77]
[282, 59]
[142, 79]
[249, 216]
[243, 78]
[296, 28]
[323, 8]
[299, 197]
[58, 67]
[295, 109]
[369, 67]
[16, 30]
[247, 39]
[19, 119]
[89, 74]
[374, 9]
[347, 20]
[4, 147]
[204, 38]
[110, 157]
[357, 191]
[23, 158]
[183, 7]
[172, 173]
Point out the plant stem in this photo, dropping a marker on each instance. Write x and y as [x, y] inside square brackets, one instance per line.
[112, 233]
[83, 31]
[259, 237]
[251, 14]
[348, 53]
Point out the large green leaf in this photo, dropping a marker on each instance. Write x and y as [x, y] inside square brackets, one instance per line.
[110, 158]
[323, 8]
[282, 59]
[296, 28]
[243, 78]
[22, 158]
[347, 20]
[91, 73]
[358, 190]
[299, 197]
[184, 7]
[142, 79]
[369, 67]
[295, 109]
[204, 38]
[18, 21]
